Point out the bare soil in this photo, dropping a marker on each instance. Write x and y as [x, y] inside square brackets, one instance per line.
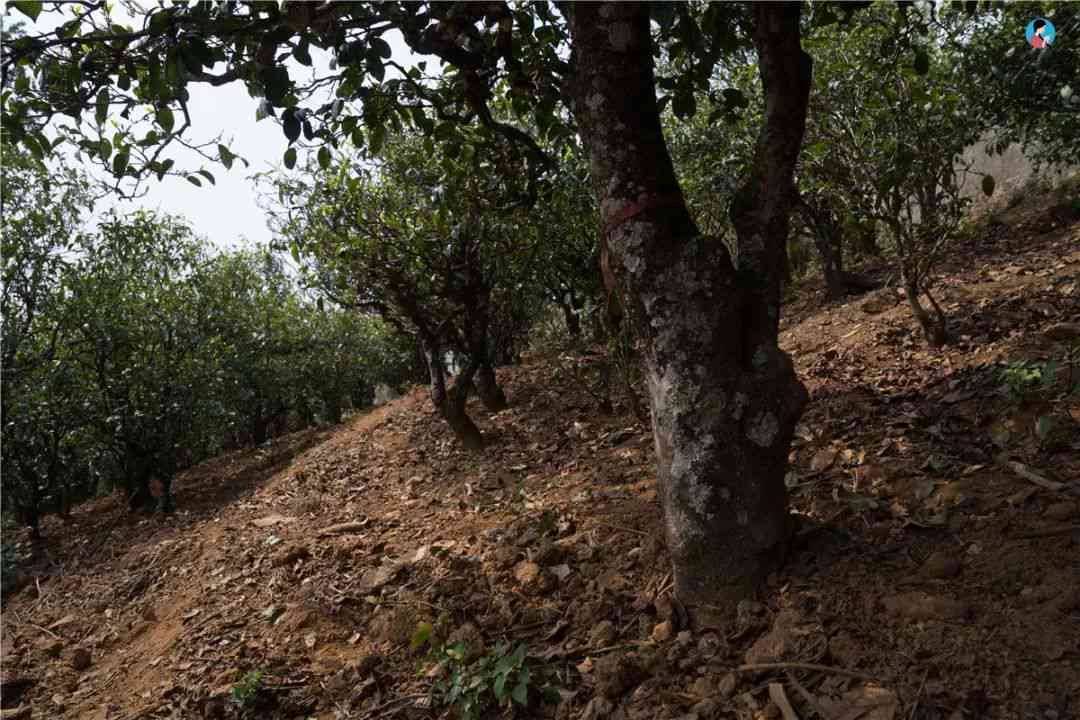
[935, 573]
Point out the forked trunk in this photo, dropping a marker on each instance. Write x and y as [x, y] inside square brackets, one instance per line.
[724, 398]
[933, 326]
[450, 402]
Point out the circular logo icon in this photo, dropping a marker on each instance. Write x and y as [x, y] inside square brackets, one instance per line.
[1040, 33]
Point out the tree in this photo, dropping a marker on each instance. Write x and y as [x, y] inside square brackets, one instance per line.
[724, 397]
[42, 394]
[888, 148]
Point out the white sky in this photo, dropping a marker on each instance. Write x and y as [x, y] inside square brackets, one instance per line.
[226, 213]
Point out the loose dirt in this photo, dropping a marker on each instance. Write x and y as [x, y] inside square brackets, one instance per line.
[935, 573]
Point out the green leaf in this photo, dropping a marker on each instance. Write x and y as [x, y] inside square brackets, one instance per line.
[301, 53]
[290, 158]
[324, 157]
[521, 693]
[291, 125]
[423, 629]
[381, 47]
[206, 174]
[105, 148]
[988, 185]
[194, 180]
[226, 156]
[165, 118]
[29, 8]
[120, 163]
[101, 112]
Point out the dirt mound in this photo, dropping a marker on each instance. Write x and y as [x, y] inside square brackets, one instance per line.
[935, 574]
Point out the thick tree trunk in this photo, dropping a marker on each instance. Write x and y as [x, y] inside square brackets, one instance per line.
[487, 387]
[724, 398]
[450, 402]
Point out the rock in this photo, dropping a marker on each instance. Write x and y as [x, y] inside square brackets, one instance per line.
[549, 553]
[394, 626]
[603, 634]
[709, 644]
[662, 632]
[684, 639]
[703, 687]
[80, 659]
[367, 663]
[272, 612]
[941, 565]
[779, 643]
[615, 674]
[705, 709]
[469, 636]
[290, 554]
[823, 459]
[663, 606]
[727, 685]
[504, 556]
[1063, 331]
[1061, 511]
[49, 647]
[844, 649]
[533, 579]
[298, 619]
[923, 606]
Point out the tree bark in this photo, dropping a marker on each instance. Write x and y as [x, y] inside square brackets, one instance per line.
[828, 239]
[487, 387]
[724, 398]
[450, 402]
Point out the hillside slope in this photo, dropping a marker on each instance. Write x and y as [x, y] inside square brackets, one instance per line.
[930, 578]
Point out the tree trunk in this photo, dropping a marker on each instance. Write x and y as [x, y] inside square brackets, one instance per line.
[450, 403]
[573, 322]
[487, 387]
[828, 239]
[724, 398]
[933, 327]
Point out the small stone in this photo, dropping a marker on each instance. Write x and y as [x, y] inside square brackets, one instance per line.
[662, 632]
[272, 612]
[1061, 511]
[663, 606]
[602, 635]
[615, 674]
[533, 579]
[49, 647]
[726, 687]
[80, 659]
[290, 554]
[823, 459]
[705, 709]
[684, 639]
[941, 565]
[703, 687]
[709, 644]
[504, 556]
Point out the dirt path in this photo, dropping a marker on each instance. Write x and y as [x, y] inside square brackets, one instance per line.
[918, 565]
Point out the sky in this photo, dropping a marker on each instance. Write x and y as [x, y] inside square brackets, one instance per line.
[226, 213]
